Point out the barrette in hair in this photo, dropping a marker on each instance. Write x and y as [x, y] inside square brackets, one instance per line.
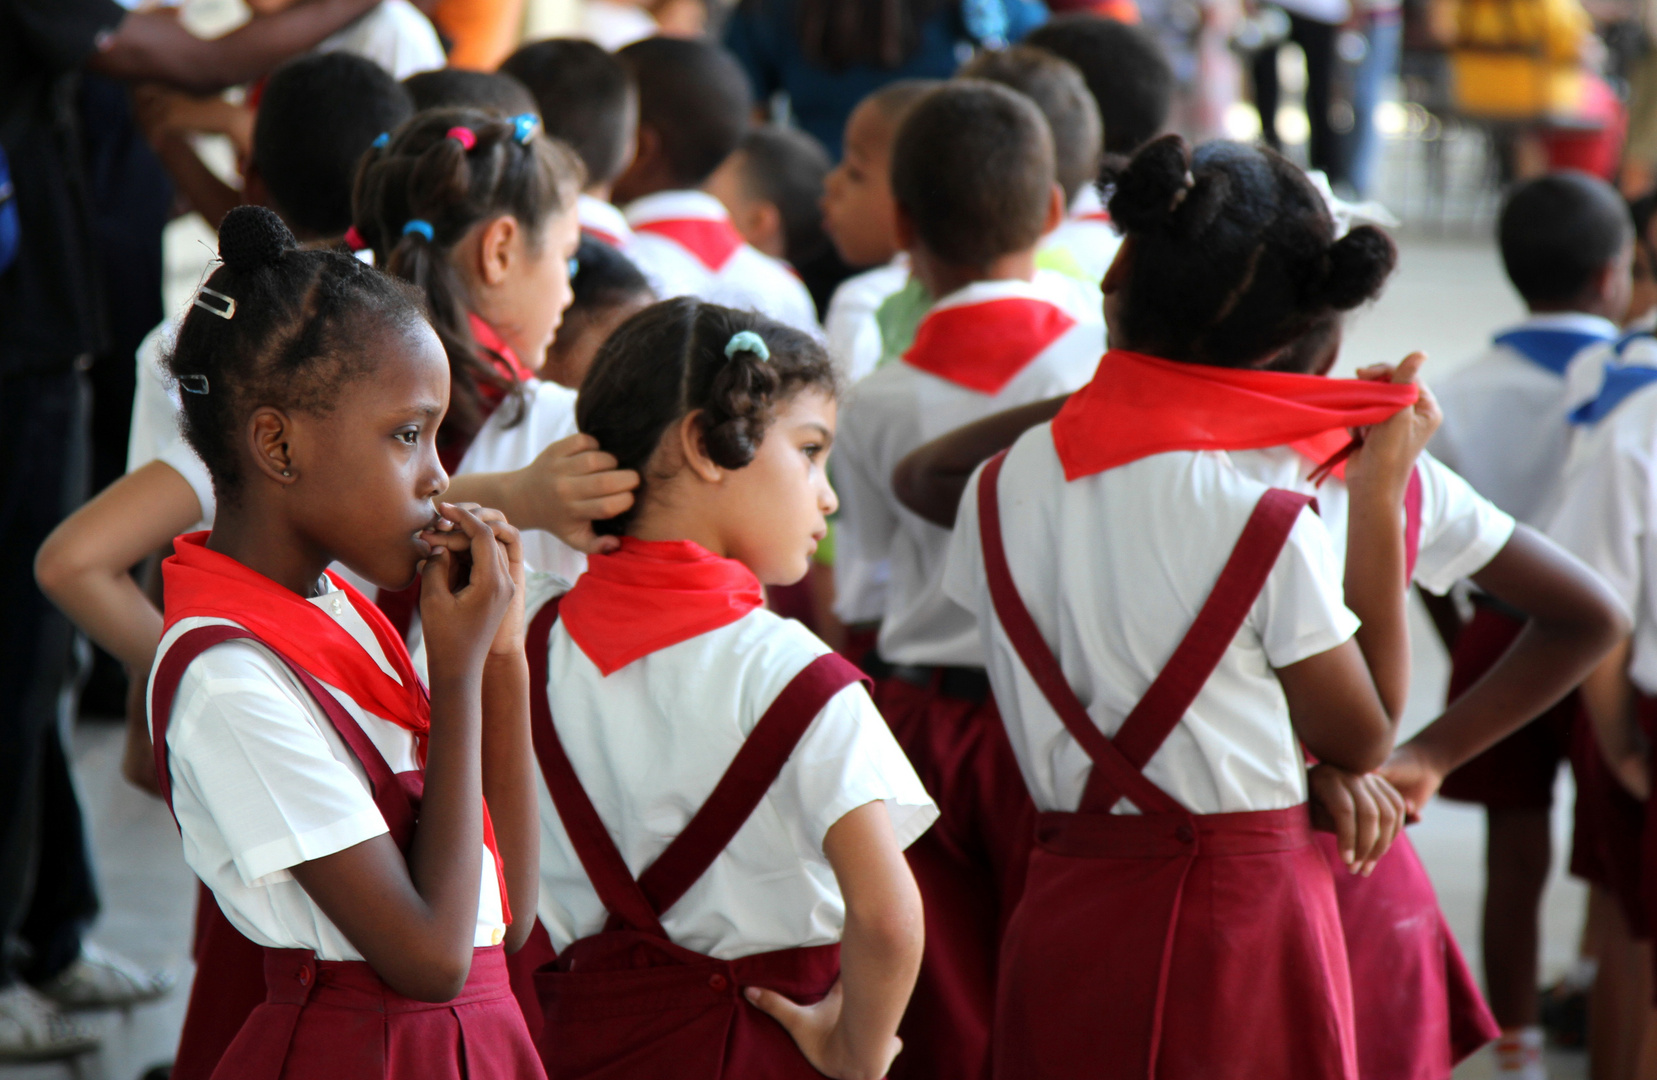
[465, 136]
[380, 140]
[747, 341]
[225, 312]
[524, 127]
[419, 225]
[354, 240]
[193, 384]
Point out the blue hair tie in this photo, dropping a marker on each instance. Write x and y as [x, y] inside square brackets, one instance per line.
[747, 341]
[380, 140]
[524, 126]
[418, 225]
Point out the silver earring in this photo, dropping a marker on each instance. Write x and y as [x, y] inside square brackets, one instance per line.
[286, 473]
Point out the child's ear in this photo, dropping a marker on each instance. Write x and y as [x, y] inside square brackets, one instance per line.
[903, 228]
[254, 191]
[495, 249]
[268, 433]
[1056, 210]
[693, 446]
[766, 221]
[1120, 267]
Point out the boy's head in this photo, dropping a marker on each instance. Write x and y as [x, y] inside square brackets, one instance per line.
[305, 149]
[858, 212]
[1567, 243]
[608, 290]
[1057, 88]
[457, 88]
[586, 99]
[694, 101]
[1124, 67]
[972, 175]
[773, 188]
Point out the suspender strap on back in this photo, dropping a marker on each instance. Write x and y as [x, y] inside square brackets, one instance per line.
[639, 904]
[1118, 763]
[391, 797]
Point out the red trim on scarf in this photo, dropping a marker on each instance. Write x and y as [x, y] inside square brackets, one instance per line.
[651, 594]
[1100, 216]
[984, 346]
[498, 353]
[202, 583]
[1140, 405]
[608, 239]
[712, 240]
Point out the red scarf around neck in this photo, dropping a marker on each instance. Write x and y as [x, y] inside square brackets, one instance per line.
[983, 346]
[651, 594]
[1141, 405]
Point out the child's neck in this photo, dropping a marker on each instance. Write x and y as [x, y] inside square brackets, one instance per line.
[672, 519]
[1571, 308]
[267, 543]
[942, 278]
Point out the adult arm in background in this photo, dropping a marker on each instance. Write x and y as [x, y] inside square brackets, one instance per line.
[155, 45]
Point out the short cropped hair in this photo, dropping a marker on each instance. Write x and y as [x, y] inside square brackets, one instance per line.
[586, 99]
[786, 168]
[972, 169]
[458, 88]
[695, 97]
[1557, 231]
[1125, 68]
[306, 149]
[1060, 92]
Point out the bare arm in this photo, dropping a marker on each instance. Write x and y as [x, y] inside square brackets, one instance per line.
[568, 486]
[852, 1033]
[1609, 698]
[414, 920]
[931, 479]
[201, 187]
[154, 45]
[1574, 621]
[85, 565]
[1335, 709]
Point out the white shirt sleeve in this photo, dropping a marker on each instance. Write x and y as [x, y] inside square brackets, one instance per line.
[1301, 611]
[245, 738]
[866, 526]
[963, 565]
[1603, 518]
[1461, 530]
[846, 759]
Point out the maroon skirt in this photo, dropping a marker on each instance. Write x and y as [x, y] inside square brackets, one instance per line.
[229, 985]
[1419, 1010]
[336, 1018]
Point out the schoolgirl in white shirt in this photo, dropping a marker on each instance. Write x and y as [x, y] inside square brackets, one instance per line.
[657, 671]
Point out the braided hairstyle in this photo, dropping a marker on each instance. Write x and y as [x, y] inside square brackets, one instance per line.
[671, 360]
[1234, 253]
[276, 325]
[423, 174]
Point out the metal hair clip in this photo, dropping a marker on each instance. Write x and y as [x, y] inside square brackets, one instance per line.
[524, 127]
[748, 341]
[193, 384]
[225, 312]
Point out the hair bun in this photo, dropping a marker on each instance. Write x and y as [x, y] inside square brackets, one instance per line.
[252, 237]
[1359, 263]
[1149, 187]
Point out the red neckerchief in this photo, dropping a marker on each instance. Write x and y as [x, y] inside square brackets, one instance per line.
[651, 594]
[1140, 405]
[712, 240]
[500, 355]
[202, 583]
[1327, 452]
[983, 346]
[1102, 217]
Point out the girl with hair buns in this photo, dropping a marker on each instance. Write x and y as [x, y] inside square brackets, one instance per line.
[376, 841]
[1165, 633]
[726, 812]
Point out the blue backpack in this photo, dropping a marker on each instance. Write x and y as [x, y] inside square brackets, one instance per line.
[9, 223]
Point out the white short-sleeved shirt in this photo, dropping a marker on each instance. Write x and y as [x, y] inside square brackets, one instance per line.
[852, 333]
[1504, 424]
[1607, 512]
[262, 783]
[512, 437]
[1461, 530]
[897, 409]
[605, 222]
[1114, 568]
[748, 278]
[396, 36]
[651, 740]
[1086, 235]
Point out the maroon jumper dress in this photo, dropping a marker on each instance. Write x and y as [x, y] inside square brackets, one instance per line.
[1167, 944]
[627, 1003]
[329, 1018]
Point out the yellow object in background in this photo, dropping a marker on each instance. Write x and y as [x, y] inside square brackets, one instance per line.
[1518, 59]
[484, 32]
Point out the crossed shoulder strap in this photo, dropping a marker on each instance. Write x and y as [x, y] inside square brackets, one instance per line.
[391, 797]
[639, 904]
[1118, 763]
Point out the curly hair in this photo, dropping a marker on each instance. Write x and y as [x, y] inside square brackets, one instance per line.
[669, 361]
[301, 325]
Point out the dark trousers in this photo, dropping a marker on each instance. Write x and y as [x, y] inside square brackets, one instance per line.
[1317, 41]
[47, 895]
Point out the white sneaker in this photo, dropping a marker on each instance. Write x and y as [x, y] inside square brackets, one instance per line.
[103, 980]
[32, 1028]
[1519, 1055]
